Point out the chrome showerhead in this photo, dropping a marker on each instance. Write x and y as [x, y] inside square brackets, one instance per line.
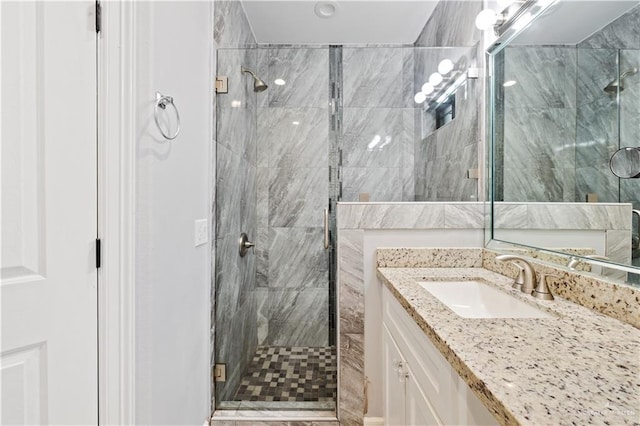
[258, 84]
[617, 84]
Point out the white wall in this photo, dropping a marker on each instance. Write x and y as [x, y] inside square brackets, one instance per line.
[174, 43]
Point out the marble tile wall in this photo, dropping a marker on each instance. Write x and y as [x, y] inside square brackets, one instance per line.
[451, 24]
[559, 97]
[444, 156]
[231, 26]
[378, 123]
[623, 33]
[604, 122]
[292, 191]
[597, 124]
[540, 123]
[630, 120]
[235, 299]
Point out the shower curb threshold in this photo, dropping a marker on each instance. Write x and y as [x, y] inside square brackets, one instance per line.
[267, 415]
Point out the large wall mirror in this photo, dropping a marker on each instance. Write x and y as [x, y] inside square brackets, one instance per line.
[565, 125]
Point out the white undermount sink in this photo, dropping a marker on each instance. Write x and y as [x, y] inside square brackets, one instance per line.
[475, 299]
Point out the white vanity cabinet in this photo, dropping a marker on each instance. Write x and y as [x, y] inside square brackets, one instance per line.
[420, 387]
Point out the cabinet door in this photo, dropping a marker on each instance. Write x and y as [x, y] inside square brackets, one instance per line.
[418, 411]
[394, 387]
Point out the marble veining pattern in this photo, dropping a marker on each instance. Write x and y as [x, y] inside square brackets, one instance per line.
[372, 137]
[368, 73]
[539, 129]
[579, 216]
[621, 33]
[378, 182]
[297, 258]
[601, 363]
[289, 201]
[545, 76]
[444, 156]
[231, 26]
[451, 24]
[306, 76]
[293, 137]
[377, 124]
[235, 301]
[411, 216]
[293, 316]
[292, 186]
[351, 331]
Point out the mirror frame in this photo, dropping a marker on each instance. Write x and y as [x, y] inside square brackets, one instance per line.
[530, 11]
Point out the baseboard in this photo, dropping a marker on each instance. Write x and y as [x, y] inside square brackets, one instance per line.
[373, 421]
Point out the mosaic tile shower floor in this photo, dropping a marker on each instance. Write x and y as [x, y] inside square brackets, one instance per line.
[298, 374]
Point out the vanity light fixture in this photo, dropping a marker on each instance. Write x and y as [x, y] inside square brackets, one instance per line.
[420, 97]
[279, 82]
[489, 18]
[445, 66]
[435, 79]
[427, 88]
[451, 89]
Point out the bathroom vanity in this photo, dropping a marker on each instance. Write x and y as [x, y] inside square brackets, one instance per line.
[570, 365]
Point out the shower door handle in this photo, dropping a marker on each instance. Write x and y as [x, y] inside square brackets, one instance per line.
[325, 222]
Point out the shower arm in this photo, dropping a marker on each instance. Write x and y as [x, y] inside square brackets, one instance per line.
[243, 69]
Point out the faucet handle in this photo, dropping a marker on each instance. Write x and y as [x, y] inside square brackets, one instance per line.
[542, 289]
[518, 281]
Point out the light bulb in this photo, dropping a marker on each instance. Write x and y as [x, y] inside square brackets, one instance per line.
[435, 79]
[486, 19]
[445, 66]
[509, 83]
[427, 88]
[420, 97]
[280, 82]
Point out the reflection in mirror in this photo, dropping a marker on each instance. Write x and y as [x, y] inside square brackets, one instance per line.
[625, 163]
[566, 98]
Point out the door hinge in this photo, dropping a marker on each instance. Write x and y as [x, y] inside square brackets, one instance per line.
[98, 250]
[222, 84]
[220, 372]
[98, 17]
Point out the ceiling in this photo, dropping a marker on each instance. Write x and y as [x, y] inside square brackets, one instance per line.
[354, 22]
[572, 21]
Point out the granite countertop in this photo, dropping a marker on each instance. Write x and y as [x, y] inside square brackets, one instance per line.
[578, 368]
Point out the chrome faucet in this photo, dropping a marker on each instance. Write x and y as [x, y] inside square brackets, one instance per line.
[527, 274]
[573, 262]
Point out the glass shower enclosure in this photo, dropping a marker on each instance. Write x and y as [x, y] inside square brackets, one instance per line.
[275, 181]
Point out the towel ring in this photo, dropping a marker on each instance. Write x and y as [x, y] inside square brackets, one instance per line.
[161, 104]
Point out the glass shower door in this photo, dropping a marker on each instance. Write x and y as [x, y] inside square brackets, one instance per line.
[272, 335]
[629, 113]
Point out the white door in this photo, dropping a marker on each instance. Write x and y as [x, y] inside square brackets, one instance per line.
[48, 345]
